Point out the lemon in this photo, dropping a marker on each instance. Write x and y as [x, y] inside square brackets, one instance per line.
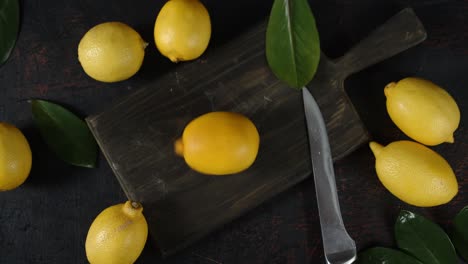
[15, 157]
[117, 235]
[414, 173]
[219, 143]
[182, 30]
[111, 52]
[422, 110]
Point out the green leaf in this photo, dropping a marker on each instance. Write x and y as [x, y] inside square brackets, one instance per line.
[460, 233]
[9, 24]
[66, 135]
[379, 255]
[292, 42]
[424, 239]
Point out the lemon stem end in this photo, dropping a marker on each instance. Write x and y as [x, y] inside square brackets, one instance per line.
[376, 148]
[132, 208]
[174, 59]
[388, 87]
[179, 147]
[450, 139]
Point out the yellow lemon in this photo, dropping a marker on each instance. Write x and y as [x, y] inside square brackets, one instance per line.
[111, 52]
[414, 173]
[15, 157]
[219, 143]
[422, 110]
[182, 30]
[117, 235]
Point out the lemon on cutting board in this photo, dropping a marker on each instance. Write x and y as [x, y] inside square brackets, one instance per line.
[219, 143]
[15, 157]
[423, 110]
[414, 173]
[111, 52]
[182, 30]
[117, 235]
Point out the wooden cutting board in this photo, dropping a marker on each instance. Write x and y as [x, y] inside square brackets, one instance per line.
[137, 134]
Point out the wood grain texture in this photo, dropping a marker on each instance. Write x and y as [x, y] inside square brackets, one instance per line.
[181, 205]
[46, 220]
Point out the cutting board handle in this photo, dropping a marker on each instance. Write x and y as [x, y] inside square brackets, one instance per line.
[397, 34]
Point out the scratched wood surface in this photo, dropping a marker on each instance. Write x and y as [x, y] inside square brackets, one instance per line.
[46, 219]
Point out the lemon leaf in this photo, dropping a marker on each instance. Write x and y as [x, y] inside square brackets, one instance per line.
[384, 255]
[459, 233]
[423, 239]
[9, 25]
[292, 42]
[66, 135]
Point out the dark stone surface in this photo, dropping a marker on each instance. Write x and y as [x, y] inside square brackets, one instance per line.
[47, 218]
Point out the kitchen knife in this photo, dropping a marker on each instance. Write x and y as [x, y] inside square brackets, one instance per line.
[338, 246]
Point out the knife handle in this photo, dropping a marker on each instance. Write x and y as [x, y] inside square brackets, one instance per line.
[397, 34]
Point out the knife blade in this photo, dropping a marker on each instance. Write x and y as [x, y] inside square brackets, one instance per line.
[338, 246]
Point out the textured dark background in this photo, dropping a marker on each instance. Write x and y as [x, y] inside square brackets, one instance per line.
[46, 220]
